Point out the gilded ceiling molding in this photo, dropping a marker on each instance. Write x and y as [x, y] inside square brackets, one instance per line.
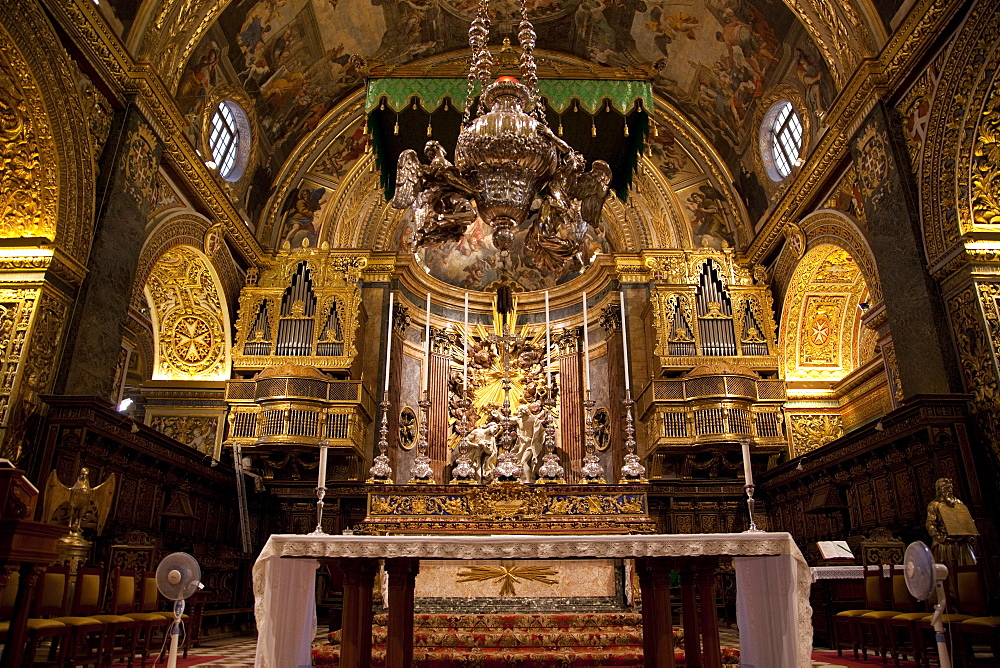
[960, 172]
[337, 121]
[705, 153]
[106, 53]
[903, 53]
[48, 180]
[826, 226]
[172, 35]
[838, 30]
[187, 229]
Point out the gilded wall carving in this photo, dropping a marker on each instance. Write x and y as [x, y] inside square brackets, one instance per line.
[44, 73]
[813, 431]
[978, 347]
[986, 163]
[196, 431]
[819, 327]
[140, 164]
[27, 191]
[191, 322]
[31, 327]
[955, 152]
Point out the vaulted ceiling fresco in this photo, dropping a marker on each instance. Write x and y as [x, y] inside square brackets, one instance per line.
[714, 60]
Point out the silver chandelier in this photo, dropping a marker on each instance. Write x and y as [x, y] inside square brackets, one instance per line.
[506, 159]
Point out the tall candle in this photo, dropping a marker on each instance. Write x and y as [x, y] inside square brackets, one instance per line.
[548, 347]
[747, 470]
[427, 347]
[388, 345]
[586, 350]
[465, 346]
[628, 383]
[323, 451]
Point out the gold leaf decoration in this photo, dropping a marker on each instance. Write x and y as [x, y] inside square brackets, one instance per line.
[508, 575]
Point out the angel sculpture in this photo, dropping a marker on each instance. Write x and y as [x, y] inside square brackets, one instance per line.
[80, 506]
[573, 201]
[438, 193]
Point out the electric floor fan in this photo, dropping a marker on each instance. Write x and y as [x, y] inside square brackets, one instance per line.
[924, 577]
[177, 577]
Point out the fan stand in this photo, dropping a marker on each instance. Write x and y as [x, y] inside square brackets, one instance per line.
[919, 569]
[940, 575]
[175, 633]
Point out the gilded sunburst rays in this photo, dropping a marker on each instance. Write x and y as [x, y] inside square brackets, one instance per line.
[509, 575]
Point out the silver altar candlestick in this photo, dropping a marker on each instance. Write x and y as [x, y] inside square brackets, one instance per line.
[508, 468]
[592, 470]
[463, 472]
[750, 504]
[551, 471]
[421, 472]
[632, 469]
[381, 472]
[320, 495]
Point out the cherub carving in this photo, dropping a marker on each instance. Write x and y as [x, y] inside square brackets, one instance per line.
[438, 193]
[573, 200]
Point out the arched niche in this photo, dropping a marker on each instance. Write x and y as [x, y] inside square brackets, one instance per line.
[825, 226]
[189, 316]
[187, 228]
[47, 188]
[959, 174]
[820, 332]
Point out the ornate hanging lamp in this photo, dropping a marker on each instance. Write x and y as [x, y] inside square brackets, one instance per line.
[506, 159]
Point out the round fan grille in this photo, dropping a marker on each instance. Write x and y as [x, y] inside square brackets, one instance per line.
[178, 576]
[918, 570]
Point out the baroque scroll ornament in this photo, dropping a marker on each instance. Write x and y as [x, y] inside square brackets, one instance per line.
[506, 160]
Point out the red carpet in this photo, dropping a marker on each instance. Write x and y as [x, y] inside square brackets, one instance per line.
[609, 640]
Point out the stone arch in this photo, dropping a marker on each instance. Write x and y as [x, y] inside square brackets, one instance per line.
[39, 87]
[187, 229]
[959, 181]
[820, 330]
[190, 321]
[825, 226]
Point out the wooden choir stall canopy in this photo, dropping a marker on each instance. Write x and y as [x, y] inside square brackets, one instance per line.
[772, 581]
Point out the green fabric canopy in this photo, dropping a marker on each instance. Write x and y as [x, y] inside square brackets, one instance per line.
[558, 93]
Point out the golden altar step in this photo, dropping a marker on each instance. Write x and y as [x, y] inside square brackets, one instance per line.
[508, 508]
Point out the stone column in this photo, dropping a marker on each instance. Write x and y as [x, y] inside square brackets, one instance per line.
[571, 400]
[611, 320]
[922, 346]
[437, 428]
[711, 649]
[402, 580]
[689, 614]
[356, 634]
[94, 336]
[657, 623]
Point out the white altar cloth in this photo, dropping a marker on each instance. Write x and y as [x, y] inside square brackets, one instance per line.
[772, 582]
